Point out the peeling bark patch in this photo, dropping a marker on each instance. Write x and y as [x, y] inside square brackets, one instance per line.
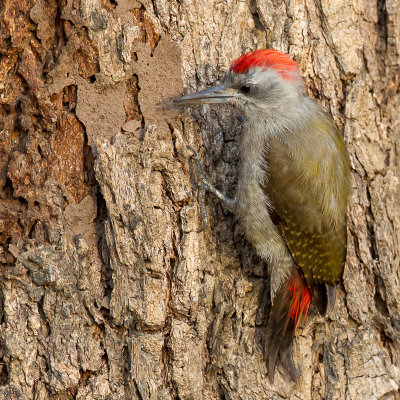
[147, 31]
[86, 58]
[32, 158]
[15, 23]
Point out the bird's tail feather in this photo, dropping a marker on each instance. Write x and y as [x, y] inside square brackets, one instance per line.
[290, 306]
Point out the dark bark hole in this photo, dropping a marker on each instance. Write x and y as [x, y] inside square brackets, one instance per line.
[22, 200]
[380, 303]
[3, 373]
[101, 209]
[88, 162]
[92, 79]
[65, 202]
[8, 189]
[32, 230]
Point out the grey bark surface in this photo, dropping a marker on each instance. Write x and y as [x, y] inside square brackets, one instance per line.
[109, 288]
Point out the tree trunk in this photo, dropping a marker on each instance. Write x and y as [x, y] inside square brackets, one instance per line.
[109, 287]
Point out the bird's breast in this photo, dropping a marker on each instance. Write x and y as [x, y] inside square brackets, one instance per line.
[252, 203]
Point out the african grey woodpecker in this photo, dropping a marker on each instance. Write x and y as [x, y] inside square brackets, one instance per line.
[293, 189]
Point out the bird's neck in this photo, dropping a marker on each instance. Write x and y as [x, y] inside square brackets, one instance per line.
[287, 115]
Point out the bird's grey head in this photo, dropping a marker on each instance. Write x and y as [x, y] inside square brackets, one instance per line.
[261, 81]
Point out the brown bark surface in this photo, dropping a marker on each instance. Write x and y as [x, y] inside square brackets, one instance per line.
[109, 289]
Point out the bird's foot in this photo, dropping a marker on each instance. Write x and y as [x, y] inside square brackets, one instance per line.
[207, 186]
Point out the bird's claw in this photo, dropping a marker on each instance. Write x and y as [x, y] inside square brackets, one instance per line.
[205, 185]
[199, 168]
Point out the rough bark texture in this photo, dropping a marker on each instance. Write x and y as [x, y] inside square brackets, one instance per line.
[109, 290]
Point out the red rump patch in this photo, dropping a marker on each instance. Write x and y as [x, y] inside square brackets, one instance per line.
[266, 59]
[300, 299]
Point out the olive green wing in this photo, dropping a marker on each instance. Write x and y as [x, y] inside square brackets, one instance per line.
[308, 187]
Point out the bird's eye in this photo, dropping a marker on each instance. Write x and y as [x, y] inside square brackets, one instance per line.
[245, 89]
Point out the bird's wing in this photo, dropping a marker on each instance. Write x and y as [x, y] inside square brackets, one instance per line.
[308, 186]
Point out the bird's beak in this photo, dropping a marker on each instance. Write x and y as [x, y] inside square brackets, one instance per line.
[214, 95]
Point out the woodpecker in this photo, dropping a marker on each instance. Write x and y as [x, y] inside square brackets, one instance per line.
[292, 193]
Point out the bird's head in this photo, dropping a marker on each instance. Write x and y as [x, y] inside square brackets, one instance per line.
[258, 81]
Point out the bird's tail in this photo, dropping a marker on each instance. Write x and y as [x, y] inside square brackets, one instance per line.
[289, 308]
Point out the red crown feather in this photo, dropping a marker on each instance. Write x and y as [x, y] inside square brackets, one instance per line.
[265, 59]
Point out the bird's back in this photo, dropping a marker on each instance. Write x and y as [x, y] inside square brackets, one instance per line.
[308, 185]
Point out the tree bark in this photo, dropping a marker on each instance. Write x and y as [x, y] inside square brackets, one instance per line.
[109, 287]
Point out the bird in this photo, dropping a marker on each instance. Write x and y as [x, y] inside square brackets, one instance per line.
[292, 192]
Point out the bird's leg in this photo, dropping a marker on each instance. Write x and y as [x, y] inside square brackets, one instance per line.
[205, 185]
